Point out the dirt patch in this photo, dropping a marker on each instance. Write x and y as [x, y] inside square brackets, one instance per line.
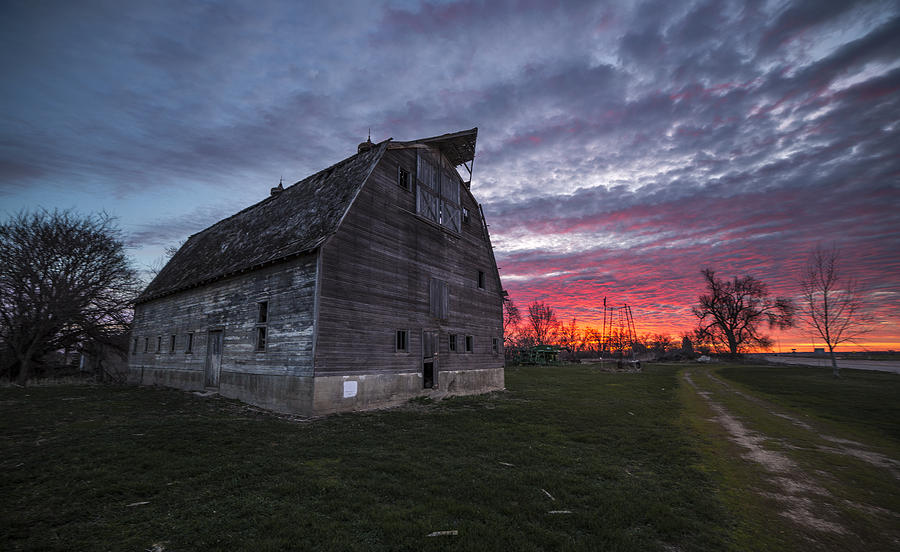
[873, 458]
[766, 404]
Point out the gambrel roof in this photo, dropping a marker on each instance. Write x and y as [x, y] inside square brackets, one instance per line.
[293, 222]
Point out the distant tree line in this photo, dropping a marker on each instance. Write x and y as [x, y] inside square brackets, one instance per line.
[540, 326]
[731, 318]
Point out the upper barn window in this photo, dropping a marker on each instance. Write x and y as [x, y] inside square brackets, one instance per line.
[262, 313]
[437, 196]
[403, 179]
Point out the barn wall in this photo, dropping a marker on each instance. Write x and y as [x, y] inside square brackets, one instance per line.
[376, 275]
[278, 378]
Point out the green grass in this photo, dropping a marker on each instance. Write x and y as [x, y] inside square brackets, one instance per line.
[866, 400]
[218, 476]
[635, 458]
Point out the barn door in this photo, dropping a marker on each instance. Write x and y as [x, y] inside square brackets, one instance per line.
[213, 358]
[430, 359]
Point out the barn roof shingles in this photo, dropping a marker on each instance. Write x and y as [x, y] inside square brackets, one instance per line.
[297, 220]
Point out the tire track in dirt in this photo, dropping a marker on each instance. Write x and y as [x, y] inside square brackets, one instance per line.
[799, 493]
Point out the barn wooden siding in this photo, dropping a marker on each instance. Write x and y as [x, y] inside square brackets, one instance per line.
[343, 259]
[377, 274]
[230, 305]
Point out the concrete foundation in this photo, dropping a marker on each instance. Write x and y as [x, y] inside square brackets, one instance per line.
[321, 395]
[365, 392]
[189, 380]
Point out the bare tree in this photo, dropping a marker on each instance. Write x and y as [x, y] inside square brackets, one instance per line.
[569, 338]
[687, 343]
[661, 344]
[832, 304]
[153, 268]
[731, 312]
[511, 321]
[64, 278]
[542, 322]
[593, 339]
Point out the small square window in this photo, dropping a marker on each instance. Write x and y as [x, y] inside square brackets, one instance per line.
[495, 345]
[465, 216]
[189, 347]
[401, 344]
[481, 279]
[146, 344]
[261, 338]
[453, 342]
[470, 343]
[172, 344]
[134, 349]
[262, 315]
[159, 344]
[403, 179]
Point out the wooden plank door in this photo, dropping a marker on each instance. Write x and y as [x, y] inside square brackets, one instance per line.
[430, 358]
[213, 358]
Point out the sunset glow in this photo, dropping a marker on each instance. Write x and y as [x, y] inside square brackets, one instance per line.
[622, 148]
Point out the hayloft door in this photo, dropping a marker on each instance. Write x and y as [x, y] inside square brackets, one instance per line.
[430, 358]
[213, 358]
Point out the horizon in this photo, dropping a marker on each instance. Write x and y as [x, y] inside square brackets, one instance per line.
[622, 147]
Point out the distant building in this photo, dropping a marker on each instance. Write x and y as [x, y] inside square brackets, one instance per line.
[366, 284]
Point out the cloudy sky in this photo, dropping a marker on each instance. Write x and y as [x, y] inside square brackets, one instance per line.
[623, 146]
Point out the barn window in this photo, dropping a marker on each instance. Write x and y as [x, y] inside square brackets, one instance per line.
[401, 343]
[261, 338]
[262, 317]
[439, 298]
[403, 179]
[470, 343]
[172, 343]
[189, 347]
[159, 344]
[495, 345]
[146, 344]
[262, 312]
[481, 279]
[437, 195]
[134, 350]
[465, 215]
[453, 343]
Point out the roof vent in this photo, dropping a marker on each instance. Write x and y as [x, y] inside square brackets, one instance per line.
[277, 189]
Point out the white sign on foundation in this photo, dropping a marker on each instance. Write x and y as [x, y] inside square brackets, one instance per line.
[349, 389]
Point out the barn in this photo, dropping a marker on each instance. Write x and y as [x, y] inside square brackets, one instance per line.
[364, 285]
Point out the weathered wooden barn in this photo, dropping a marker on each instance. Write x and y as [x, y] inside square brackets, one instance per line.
[364, 285]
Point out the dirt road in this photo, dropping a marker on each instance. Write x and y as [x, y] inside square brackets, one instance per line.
[803, 468]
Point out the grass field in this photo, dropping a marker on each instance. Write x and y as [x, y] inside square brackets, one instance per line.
[568, 458]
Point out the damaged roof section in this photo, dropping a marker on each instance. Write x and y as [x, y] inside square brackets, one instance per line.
[292, 222]
[458, 147]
